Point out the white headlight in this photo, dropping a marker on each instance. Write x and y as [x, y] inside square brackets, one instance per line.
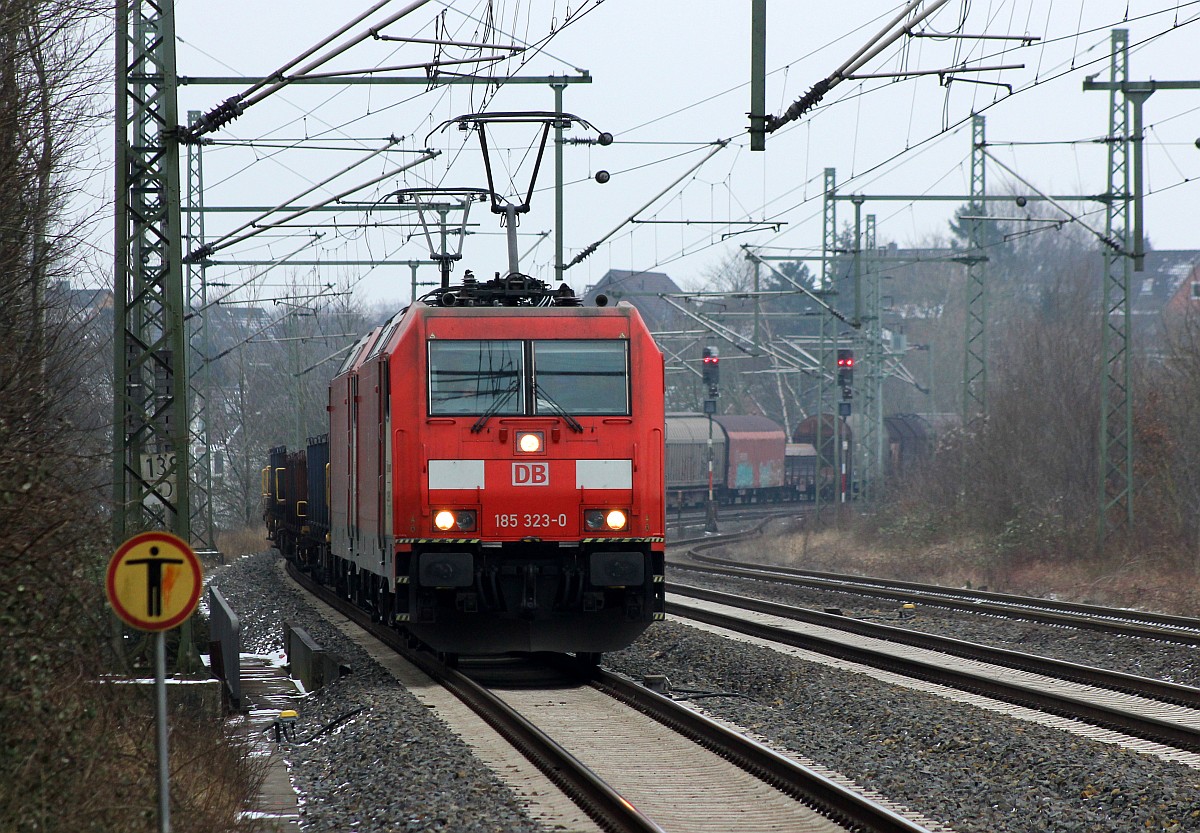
[615, 519]
[530, 442]
[444, 520]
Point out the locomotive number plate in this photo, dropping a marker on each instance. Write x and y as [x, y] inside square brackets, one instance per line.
[513, 520]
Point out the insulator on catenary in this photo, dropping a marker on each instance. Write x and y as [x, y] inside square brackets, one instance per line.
[809, 100]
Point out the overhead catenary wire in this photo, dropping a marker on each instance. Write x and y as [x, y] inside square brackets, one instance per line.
[331, 127]
[319, 45]
[326, 41]
[1074, 218]
[425, 65]
[804, 289]
[324, 134]
[872, 48]
[233, 107]
[226, 242]
[280, 262]
[868, 171]
[220, 243]
[324, 293]
[687, 251]
[721, 144]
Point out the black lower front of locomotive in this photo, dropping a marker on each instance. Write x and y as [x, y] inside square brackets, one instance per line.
[530, 596]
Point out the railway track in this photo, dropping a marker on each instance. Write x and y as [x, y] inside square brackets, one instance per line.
[1147, 625]
[636, 760]
[1150, 709]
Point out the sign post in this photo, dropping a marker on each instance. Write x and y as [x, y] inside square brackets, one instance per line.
[153, 583]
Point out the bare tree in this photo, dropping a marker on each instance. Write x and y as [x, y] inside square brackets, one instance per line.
[271, 372]
[1170, 438]
[75, 750]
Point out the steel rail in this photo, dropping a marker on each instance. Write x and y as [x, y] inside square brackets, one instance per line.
[1151, 728]
[839, 803]
[1162, 690]
[602, 803]
[1162, 627]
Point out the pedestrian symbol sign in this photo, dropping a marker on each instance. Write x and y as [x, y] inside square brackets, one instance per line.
[154, 581]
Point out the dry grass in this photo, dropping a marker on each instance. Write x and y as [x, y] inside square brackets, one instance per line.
[834, 551]
[1166, 589]
[1150, 581]
[234, 543]
[230, 775]
[90, 764]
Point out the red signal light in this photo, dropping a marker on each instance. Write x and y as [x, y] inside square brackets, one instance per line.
[711, 367]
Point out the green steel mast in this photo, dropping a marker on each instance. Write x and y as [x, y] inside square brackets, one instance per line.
[974, 393]
[1116, 407]
[200, 348]
[1124, 253]
[150, 380]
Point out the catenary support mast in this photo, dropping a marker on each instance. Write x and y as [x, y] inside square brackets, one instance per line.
[200, 348]
[150, 396]
[974, 403]
[1124, 253]
[1116, 408]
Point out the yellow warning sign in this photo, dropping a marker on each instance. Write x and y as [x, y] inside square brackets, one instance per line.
[154, 581]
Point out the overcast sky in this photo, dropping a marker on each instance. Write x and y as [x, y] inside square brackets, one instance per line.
[668, 79]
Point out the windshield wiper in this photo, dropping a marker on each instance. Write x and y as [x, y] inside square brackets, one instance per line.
[539, 391]
[494, 408]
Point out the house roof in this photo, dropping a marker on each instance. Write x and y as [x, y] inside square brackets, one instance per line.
[643, 290]
[1165, 271]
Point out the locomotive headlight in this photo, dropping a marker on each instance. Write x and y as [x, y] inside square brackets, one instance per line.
[603, 520]
[530, 442]
[465, 519]
[449, 519]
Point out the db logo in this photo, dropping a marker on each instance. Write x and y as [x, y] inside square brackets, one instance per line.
[531, 474]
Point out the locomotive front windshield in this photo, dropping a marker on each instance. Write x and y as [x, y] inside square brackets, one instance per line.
[474, 377]
[543, 378]
[581, 377]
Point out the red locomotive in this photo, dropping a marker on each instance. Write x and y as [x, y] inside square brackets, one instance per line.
[495, 473]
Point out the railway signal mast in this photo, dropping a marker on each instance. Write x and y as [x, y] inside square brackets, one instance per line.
[845, 366]
[845, 381]
[711, 375]
[763, 124]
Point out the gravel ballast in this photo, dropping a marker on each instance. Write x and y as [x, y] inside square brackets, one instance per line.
[1154, 658]
[968, 768]
[391, 767]
[396, 767]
